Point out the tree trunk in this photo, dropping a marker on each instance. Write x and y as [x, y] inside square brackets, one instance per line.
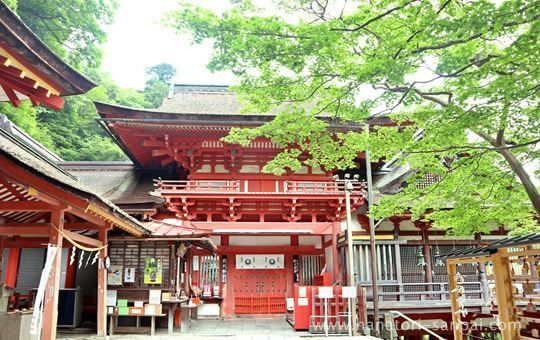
[518, 169]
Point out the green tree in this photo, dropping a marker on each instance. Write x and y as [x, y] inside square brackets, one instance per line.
[466, 74]
[157, 85]
[73, 29]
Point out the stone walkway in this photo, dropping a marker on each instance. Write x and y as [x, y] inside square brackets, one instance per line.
[248, 329]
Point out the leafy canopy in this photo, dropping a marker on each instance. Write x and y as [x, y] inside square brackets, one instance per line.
[74, 31]
[464, 72]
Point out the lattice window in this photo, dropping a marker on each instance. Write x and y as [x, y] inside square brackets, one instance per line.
[209, 271]
[411, 272]
[386, 263]
[468, 270]
[428, 179]
[310, 265]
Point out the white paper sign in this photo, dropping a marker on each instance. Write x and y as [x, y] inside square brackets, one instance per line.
[138, 304]
[111, 297]
[154, 297]
[326, 292]
[302, 302]
[129, 275]
[348, 292]
[302, 292]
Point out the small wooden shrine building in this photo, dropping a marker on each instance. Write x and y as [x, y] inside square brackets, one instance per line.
[513, 266]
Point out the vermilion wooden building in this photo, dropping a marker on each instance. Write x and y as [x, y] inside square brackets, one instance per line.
[219, 190]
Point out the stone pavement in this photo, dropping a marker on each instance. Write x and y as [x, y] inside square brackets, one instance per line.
[241, 328]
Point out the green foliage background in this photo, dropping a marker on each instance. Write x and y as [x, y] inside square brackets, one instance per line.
[465, 72]
[74, 30]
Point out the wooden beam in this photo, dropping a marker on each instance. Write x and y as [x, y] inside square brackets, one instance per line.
[18, 231]
[483, 258]
[50, 300]
[68, 226]
[506, 307]
[83, 239]
[529, 252]
[457, 326]
[27, 206]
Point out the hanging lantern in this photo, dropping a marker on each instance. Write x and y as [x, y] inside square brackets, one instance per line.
[525, 267]
[438, 260]
[489, 269]
[421, 260]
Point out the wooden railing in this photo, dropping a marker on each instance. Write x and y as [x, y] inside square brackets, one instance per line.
[434, 291]
[283, 187]
[226, 186]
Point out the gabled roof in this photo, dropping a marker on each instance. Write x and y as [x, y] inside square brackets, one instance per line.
[515, 241]
[12, 146]
[30, 68]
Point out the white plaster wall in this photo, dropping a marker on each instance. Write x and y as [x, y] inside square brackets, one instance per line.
[329, 261]
[310, 241]
[216, 240]
[355, 224]
[259, 240]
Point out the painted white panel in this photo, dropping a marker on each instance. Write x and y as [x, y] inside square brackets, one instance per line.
[385, 226]
[310, 241]
[355, 224]
[249, 169]
[266, 261]
[216, 240]
[329, 261]
[407, 225]
[259, 240]
[450, 238]
[208, 310]
[220, 169]
[205, 168]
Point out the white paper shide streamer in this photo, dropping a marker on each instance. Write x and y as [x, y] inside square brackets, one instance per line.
[35, 328]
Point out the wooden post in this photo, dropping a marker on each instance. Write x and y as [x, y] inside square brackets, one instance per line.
[2, 241]
[505, 296]
[50, 298]
[102, 287]
[456, 316]
[336, 228]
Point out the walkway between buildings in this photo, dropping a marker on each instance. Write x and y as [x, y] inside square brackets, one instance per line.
[241, 328]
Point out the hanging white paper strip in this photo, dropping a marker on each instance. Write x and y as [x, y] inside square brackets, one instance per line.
[35, 327]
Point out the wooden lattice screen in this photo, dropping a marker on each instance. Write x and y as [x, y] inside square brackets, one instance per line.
[209, 271]
[310, 265]
[386, 264]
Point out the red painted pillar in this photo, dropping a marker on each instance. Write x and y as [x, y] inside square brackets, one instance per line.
[50, 300]
[70, 271]
[12, 267]
[102, 286]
